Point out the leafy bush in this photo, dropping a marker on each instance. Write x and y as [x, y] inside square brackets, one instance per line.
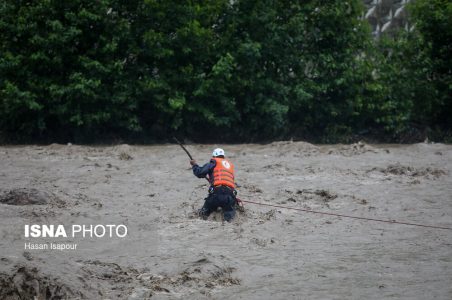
[219, 70]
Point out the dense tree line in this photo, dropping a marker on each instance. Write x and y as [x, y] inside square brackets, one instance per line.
[86, 71]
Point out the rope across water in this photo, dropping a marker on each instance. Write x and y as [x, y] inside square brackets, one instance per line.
[347, 216]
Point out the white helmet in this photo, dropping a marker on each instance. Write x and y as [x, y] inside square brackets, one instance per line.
[218, 152]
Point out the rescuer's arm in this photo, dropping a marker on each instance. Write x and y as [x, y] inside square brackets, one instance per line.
[201, 172]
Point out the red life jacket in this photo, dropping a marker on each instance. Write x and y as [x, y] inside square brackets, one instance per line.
[223, 173]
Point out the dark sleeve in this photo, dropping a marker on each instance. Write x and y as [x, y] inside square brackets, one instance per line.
[201, 172]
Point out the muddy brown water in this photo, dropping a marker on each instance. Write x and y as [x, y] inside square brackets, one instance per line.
[266, 253]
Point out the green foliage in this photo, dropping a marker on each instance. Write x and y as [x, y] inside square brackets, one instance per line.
[434, 26]
[410, 86]
[226, 70]
[326, 96]
[62, 69]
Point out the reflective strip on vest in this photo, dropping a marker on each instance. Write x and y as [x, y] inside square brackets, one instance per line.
[223, 173]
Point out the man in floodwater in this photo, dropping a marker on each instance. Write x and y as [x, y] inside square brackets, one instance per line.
[220, 173]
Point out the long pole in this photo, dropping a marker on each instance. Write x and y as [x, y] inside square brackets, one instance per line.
[182, 146]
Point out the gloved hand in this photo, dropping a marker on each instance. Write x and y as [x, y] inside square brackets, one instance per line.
[193, 162]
